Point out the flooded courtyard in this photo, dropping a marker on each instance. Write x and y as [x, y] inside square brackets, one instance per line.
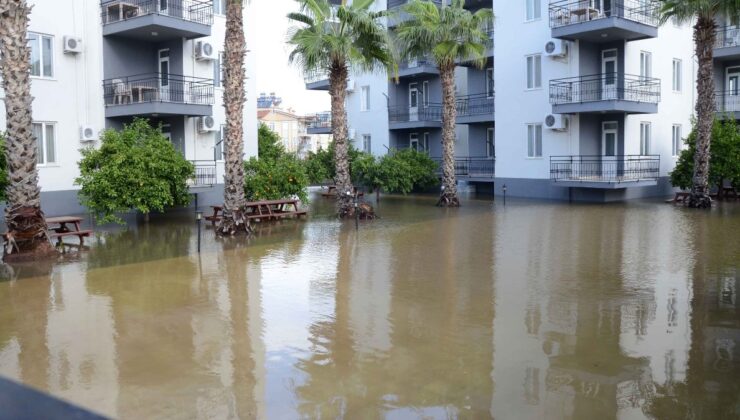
[533, 310]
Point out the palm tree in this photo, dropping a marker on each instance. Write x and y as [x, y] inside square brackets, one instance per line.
[234, 218]
[333, 39]
[705, 33]
[448, 34]
[23, 216]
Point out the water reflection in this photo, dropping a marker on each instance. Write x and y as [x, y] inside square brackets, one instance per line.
[529, 311]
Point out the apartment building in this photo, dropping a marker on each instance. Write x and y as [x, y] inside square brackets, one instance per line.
[100, 64]
[592, 103]
[727, 68]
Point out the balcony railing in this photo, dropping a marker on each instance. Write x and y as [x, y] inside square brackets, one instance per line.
[315, 76]
[398, 3]
[728, 101]
[727, 36]
[479, 104]
[322, 120]
[571, 12]
[148, 88]
[430, 112]
[472, 167]
[205, 173]
[198, 11]
[412, 64]
[604, 87]
[613, 169]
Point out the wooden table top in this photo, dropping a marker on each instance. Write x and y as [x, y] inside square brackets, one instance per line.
[64, 219]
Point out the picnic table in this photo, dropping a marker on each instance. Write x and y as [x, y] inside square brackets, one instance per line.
[61, 227]
[264, 210]
[332, 192]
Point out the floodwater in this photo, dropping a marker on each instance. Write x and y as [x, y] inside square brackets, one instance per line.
[529, 311]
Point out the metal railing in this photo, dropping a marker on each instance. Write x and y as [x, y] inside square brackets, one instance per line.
[479, 104]
[727, 36]
[397, 3]
[728, 101]
[198, 11]
[315, 76]
[148, 88]
[571, 12]
[430, 112]
[322, 120]
[205, 173]
[472, 167]
[604, 87]
[593, 168]
[413, 64]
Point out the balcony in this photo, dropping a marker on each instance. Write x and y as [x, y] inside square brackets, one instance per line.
[429, 116]
[472, 168]
[415, 68]
[607, 92]
[157, 20]
[155, 94]
[475, 108]
[727, 104]
[605, 172]
[205, 174]
[587, 20]
[320, 124]
[316, 80]
[727, 43]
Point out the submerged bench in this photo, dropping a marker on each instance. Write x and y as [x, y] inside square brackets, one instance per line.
[264, 210]
[62, 227]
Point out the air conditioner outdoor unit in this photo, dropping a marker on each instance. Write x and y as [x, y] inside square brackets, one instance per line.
[556, 48]
[204, 51]
[557, 122]
[87, 133]
[206, 124]
[72, 45]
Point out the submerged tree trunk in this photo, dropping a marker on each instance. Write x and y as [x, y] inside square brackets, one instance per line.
[704, 37]
[27, 230]
[234, 218]
[338, 74]
[448, 196]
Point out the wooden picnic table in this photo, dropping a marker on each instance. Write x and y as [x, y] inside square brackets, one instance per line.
[332, 192]
[264, 210]
[63, 226]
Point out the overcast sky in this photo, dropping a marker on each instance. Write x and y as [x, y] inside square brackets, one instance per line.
[273, 72]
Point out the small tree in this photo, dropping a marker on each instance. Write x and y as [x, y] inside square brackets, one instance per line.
[269, 145]
[397, 172]
[320, 165]
[135, 168]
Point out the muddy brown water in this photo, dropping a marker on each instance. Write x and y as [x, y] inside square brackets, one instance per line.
[536, 310]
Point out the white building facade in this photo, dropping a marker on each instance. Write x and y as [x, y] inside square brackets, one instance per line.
[97, 66]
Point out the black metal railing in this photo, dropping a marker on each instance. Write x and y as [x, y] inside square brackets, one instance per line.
[571, 12]
[429, 112]
[322, 120]
[479, 104]
[727, 36]
[605, 87]
[413, 64]
[627, 168]
[315, 76]
[472, 167]
[728, 101]
[205, 173]
[198, 11]
[397, 3]
[148, 88]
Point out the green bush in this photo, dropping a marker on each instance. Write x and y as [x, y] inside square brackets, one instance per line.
[400, 171]
[268, 143]
[724, 163]
[320, 166]
[134, 168]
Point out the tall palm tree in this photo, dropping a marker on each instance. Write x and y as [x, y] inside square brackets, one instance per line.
[23, 216]
[448, 34]
[335, 39]
[234, 218]
[705, 33]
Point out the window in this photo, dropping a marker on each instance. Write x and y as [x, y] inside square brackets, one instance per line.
[425, 143]
[490, 87]
[533, 9]
[645, 128]
[45, 142]
[534, 140]
[490, 143]
[646, 64]
[414, 141]
[534, 71]
[218, 69]
[365, 98]
[425, 93]
[676, 149]
[219, 7]
[366, 143]
[218, 147]
[676, 75]
[42, 55]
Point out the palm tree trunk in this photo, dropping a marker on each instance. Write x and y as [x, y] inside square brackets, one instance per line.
[448, 197]
[704, 37]
[338, 74]
[234, 218]
[27, 230]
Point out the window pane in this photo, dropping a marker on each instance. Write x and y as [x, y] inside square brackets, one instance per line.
[50, 150]
[530, 141]
[39, 135]
[530, 9]
[217, 71]
[530, 72]
[538, 140]
[48, 57]
[537, 12]
[537, 71]
[33, 43]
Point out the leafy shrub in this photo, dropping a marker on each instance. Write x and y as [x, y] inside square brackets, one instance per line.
[400, 171]
[275, 179]
[320, 166]
[134, 168]
[268, 143]
[724, 163]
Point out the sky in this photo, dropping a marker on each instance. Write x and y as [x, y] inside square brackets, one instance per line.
[274, 73]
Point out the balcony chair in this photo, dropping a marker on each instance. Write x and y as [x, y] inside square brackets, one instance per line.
[121, 92]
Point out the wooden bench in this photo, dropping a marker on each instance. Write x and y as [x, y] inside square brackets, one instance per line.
[264, 210]
[62, 227]
[81, 234]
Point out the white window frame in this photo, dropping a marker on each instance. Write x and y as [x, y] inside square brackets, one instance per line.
[532, 130]
[425, 142]
[42, 152]
[42, 58]
[677, 75]
[219, 144]
[535, 7]
[646, 64]
[532, 62]
[414, 138]
[676, 140]
[367, 143]
[365, 98]
[219, 7]
[646, 133]
[218, 70]
[425, 93]
[490, 84]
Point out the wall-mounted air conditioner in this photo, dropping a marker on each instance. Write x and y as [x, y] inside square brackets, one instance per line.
[72, 45]
[556, 48]
[204, 51]
[557, 122]
[206, 124]
[87, 133]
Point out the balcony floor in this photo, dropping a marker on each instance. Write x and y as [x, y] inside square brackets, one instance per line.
[157, 108]
[605, 30]
[319, 130]
[606, 106]
[590, 182]
[166, 27]
[318, 85]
